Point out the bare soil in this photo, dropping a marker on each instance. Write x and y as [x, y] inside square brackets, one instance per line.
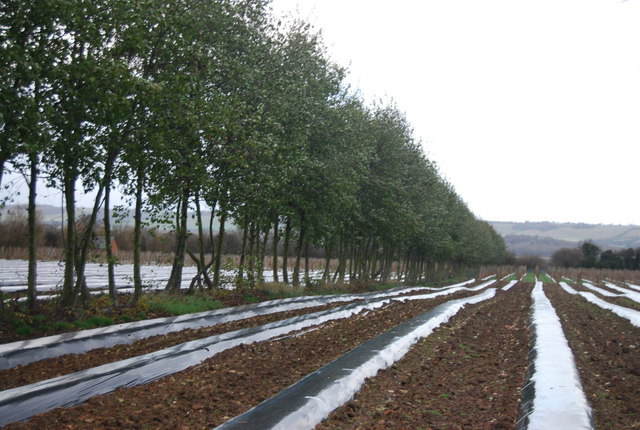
[607, 353]
[466, 375]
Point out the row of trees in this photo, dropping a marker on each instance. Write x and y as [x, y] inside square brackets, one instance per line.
[590, 255]
[185, 104]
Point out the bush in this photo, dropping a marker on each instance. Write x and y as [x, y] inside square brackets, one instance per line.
[24, 330]
[179, 305]
[94, 321]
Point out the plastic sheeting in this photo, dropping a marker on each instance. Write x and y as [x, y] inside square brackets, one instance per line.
[24, 352]
[630, 294]
[28, 351]
[509, 285]
[567, 288]
[23, 402]
[600, 291]
[633, 286]
[309, 401]
[553, 397]
[631, 314]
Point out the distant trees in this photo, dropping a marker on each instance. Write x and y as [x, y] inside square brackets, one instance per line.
[589, 255]
[567, 257]
[190, 105]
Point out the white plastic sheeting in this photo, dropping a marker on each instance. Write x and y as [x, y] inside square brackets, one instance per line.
[27, 351]
[559, 402]
[509, 285]
[630, 294]
[13, 275]
[631, 314]
[312, 399]
[633, 286]
[567, 288]
[23, 352]
[599, 290]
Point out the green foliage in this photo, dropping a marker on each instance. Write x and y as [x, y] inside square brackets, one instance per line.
[544, 277]
[280, 291]
[179, 305]
[218, 101]
[589, 255]
[91, 322]
[61, 326]
[23, 330]
[250, 298]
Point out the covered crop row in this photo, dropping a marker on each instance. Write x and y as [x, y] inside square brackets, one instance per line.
[74, 388]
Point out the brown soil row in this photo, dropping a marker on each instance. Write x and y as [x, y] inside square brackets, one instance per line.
[607, 353]
[231, 382]
[466, 375]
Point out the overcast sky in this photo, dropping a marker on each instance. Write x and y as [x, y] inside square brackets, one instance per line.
[531, 108]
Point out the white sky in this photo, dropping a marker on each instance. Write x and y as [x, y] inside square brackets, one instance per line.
[531, 108]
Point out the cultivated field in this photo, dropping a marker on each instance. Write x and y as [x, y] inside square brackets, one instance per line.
[487, 353]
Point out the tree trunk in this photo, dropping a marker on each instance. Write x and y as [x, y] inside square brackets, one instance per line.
[262, 251]
[2, 163]
[175, 280]
[137, 233]
[253, 244]
[200, 261]
[275, 252]
[327, 263]
[108, 179]
[341, 261]
[107, 240]
[70, 245]
[351, 263]
[285, 251]
[32, 273]
[211, 242]
[85, 243]
[307, 276]
[218, 256]
[299, 247]
[242, 252]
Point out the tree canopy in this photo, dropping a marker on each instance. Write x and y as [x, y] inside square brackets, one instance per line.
[181, 103]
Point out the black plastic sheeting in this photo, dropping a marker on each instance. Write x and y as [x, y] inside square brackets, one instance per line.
[23, 402]
[28, 351]
[528, 392]
[271, 413]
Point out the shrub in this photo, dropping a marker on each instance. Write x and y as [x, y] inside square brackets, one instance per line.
[179, 305]
[23, 330]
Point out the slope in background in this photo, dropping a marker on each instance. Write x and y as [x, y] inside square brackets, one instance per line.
[543, 238]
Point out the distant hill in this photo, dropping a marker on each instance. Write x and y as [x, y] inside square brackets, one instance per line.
[543, 238]
[521, 238]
